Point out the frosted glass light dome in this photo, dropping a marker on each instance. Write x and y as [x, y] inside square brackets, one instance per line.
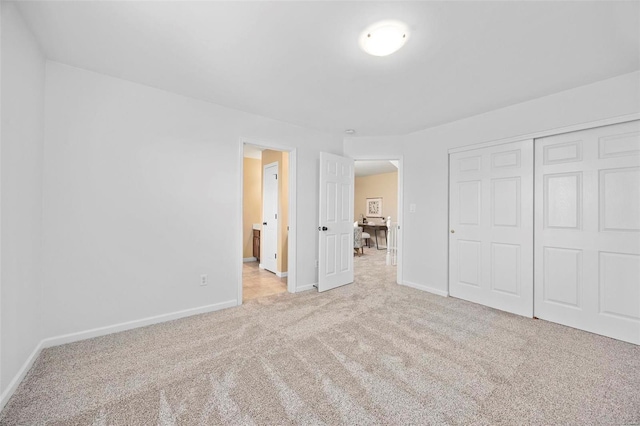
[383, 38]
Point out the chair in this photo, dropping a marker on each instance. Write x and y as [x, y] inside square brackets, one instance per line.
[358, 237]
[367, 238]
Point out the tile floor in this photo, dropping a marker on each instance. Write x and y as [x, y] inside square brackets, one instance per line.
[257, 282]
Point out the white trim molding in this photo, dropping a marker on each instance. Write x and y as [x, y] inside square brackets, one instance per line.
[281, 274]
[550, 132]
[20, 375]
[123, 326]
[249, 259]
[423, 287]
[103, 331]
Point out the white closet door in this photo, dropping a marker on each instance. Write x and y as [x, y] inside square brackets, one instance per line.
[588, 230]
[491, 226]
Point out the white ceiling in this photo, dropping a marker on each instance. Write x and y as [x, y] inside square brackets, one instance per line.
[368, 168]
[300, 62]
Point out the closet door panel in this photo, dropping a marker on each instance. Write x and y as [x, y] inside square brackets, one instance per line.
[491, 219]
[587, 230]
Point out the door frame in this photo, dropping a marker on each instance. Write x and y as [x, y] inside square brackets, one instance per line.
[534, 136]
[293, 218]
[400, 213]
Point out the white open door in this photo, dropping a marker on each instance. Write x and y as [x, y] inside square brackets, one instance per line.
[491, 220]
[269, 234]
[335, 266]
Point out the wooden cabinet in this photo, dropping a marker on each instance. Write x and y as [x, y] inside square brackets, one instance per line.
[256, 244]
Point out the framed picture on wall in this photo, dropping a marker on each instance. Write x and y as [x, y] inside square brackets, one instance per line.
[374, 207]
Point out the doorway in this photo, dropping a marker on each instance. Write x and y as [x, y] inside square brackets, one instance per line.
[354, 252]
[266, 221]
[376, 214]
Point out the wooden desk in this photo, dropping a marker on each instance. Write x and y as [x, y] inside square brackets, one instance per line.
[376, 227]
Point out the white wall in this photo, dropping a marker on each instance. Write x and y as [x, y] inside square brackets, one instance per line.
[141, 197]
[23, 75]
[425, 232]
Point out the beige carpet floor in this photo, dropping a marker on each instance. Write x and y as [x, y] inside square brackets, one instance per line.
[369, 353]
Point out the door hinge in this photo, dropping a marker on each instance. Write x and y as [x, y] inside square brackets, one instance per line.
[276, 176]
[275, 256]
[276, 215]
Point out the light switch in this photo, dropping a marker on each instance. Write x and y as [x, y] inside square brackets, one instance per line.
[412, 208]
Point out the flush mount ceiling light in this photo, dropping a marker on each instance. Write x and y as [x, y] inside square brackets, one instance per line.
[383, 38]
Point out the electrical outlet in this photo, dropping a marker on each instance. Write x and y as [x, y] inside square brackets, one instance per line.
[204, 279]
[412, 208]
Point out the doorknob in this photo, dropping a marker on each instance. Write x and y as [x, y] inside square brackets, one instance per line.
[453, 232]
[322, 228]
[264, 223]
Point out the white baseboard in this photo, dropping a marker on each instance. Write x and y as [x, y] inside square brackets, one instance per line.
[281, 274]
[17, 379]
[260, 266]
[305, 287]
[249, 259]
[426, 288]
[101, 331]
